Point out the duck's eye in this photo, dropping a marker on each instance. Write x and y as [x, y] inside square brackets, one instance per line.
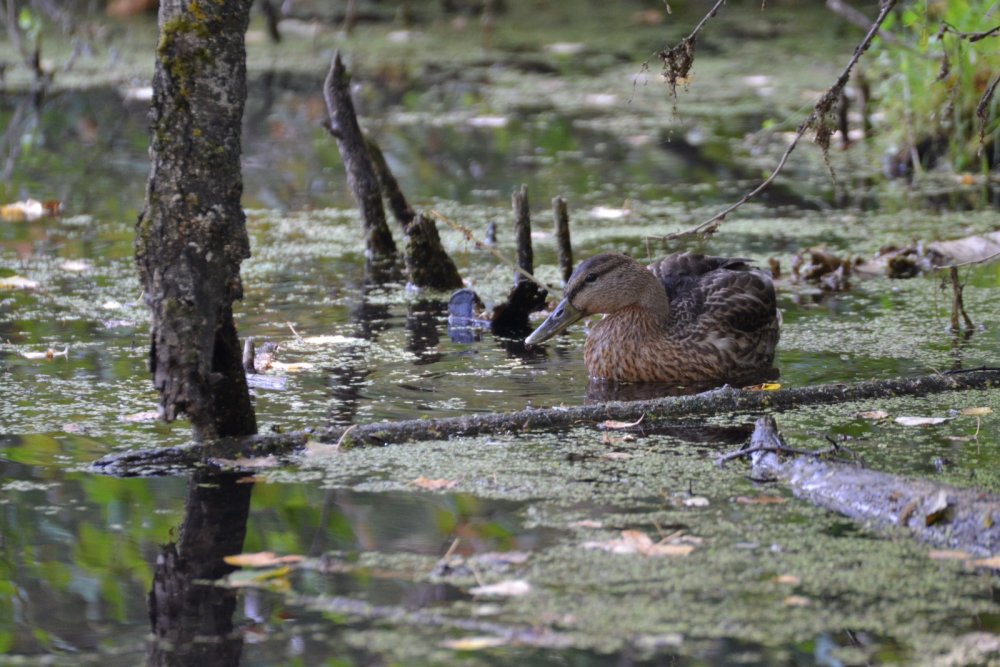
[591, 277]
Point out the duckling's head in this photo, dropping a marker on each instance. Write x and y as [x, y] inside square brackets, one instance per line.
[604, 283]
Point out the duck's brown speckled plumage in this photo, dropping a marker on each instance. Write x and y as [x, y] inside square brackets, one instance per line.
[688, 319]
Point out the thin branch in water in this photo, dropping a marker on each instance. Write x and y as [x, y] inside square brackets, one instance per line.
[822, 108]
[958, 303]
[482, 245]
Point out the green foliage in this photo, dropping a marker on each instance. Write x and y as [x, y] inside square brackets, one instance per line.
[934, 75]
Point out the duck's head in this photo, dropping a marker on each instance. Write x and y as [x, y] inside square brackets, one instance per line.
[604, 283]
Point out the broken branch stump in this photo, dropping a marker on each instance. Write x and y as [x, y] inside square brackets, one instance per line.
[361, 176]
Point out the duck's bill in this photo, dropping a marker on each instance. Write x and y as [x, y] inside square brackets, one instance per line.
[563, 316]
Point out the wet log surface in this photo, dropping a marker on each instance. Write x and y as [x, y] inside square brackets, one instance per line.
[725, 400]
[945, 516]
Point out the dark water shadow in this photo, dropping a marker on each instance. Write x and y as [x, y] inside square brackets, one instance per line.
[191, 620]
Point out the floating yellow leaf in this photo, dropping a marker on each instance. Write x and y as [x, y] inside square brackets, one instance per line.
[474, 643]
[764, 386]
[992, 562]
[787, 579]
[434, 484]
[976, 412]
[261, 559]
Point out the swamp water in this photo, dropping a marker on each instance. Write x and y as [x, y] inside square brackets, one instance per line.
[768, 580]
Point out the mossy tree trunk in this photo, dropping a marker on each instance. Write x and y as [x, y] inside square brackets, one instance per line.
[191, 236]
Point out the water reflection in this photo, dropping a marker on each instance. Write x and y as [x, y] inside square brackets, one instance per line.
[191, 619]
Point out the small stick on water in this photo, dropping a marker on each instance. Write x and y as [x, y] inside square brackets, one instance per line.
[481, 245]
[522, 232]
[957, 303]
[295, 333]
[561, 216]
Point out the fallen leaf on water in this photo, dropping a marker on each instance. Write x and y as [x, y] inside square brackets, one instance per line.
[608, 213]
[797, 601]
[474, 643]
[586, 523]
[992, 562]
[434, 484]
[47, 354]
[17, 282]
[608, 439]
[921, 421]
[261, 559]
[787, 579]
[30, 209]
[508, 589]
[612, 424]
[292, 367]
[976, 412]
[248, 462]
[638, 542]
[872, 414]
[761, 500]
[317, 448]
[938, 510]
[75, 266]
[144, 416]
[696, 501]
[948, 554]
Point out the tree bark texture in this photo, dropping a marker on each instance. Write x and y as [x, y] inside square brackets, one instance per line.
[191, 236]
[361, 176]
[427, 262]
[718, 401]
[522, 232]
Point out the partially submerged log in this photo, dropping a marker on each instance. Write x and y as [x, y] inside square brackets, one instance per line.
[965, 519]
[717, 401]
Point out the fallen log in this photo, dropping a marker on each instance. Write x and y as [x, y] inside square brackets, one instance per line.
[725, 400]
[945, 516]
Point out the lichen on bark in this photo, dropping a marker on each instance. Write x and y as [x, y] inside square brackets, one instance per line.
[191, 236]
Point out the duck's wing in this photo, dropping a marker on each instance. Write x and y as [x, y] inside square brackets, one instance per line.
[716, 293]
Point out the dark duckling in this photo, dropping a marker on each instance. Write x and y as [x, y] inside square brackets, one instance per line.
[687, 319]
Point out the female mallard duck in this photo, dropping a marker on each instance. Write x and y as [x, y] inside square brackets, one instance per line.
[688, 319]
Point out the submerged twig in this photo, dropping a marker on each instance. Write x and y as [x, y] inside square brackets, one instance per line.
[820, 110]
[482, 245]
[958, 303]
